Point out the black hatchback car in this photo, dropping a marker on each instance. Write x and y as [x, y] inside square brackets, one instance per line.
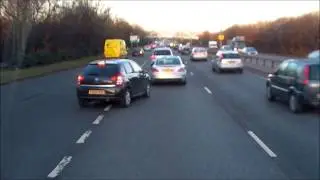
[112, 80]
[296, 81]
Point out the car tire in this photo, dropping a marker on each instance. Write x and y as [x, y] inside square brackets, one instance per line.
[269, 94]
[294, 105]
[126, 99]
[147, 90]
[83, 103]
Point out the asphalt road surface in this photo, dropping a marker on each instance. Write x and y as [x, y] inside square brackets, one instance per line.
[218, 126]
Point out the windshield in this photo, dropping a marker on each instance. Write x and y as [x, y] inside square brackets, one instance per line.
[230, 56]
[162, 52]
[200, 50]
[106, 70]
[251, 49]
[168, 61]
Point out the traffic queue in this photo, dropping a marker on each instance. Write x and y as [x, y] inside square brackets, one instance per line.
[118, 78]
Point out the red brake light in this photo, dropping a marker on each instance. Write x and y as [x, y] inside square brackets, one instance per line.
[80, 79]
[153, 57]
[306, 72]
[118, 79]
[101, 64]
[181, 70]
[154, 70]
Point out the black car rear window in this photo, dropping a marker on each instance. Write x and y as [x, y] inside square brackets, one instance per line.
[231, 56]
[162, 52]
[106, 70]
[315, 72]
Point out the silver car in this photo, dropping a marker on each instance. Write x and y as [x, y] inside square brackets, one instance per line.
[227, 60]
[199, 53]
[169, 68]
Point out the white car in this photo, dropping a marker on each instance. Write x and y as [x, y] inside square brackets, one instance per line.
[169, 68]
[199, 53]
[159, 52]
[227, 60]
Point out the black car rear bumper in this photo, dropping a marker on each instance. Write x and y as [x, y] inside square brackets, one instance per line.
[111, 93]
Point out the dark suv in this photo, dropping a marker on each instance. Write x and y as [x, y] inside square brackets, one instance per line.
[112, 80]
[296, 81]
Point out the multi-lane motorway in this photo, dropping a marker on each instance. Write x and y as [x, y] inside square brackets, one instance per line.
[218, 126]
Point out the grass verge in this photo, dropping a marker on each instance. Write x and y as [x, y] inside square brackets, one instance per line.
[8, 76]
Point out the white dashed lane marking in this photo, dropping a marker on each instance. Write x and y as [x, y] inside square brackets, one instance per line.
[207, 89]
[84, 136]
[107, 108]
[58, 169]
[98, 120]
[262, 145]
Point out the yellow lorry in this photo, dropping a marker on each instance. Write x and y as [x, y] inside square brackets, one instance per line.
[115, 48]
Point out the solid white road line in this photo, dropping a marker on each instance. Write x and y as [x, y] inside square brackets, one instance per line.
[262, 145]
[191, 73]
[107, 108]
[207, 89]
[58, 169]
[99, 118]
[84, 136]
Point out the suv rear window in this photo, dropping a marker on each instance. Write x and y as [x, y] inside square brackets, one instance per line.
[315, 72]
[162, 52]
[94, 70]
[231, 56]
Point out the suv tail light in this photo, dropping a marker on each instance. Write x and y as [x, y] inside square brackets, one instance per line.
[80, 79]
[154, 70]
[118, 79]
[153, 57]
[306, 73]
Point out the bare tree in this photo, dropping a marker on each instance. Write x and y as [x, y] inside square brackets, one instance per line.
[22, 14]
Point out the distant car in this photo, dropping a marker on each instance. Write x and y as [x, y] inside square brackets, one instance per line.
[138, 52]
[112, 80]
[296, 81]
[314, 55]
[251, 51]
[185, 50]
[159, 52]
[227, 60]
[226, 48]
[147, 47]
[199, 53]
[169, 68]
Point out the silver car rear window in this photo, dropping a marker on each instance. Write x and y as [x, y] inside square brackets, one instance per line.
[168, 61]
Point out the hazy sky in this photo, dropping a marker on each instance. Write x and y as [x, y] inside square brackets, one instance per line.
[198, 16]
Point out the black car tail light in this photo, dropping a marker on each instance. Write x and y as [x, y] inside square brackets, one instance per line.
[118, 79]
